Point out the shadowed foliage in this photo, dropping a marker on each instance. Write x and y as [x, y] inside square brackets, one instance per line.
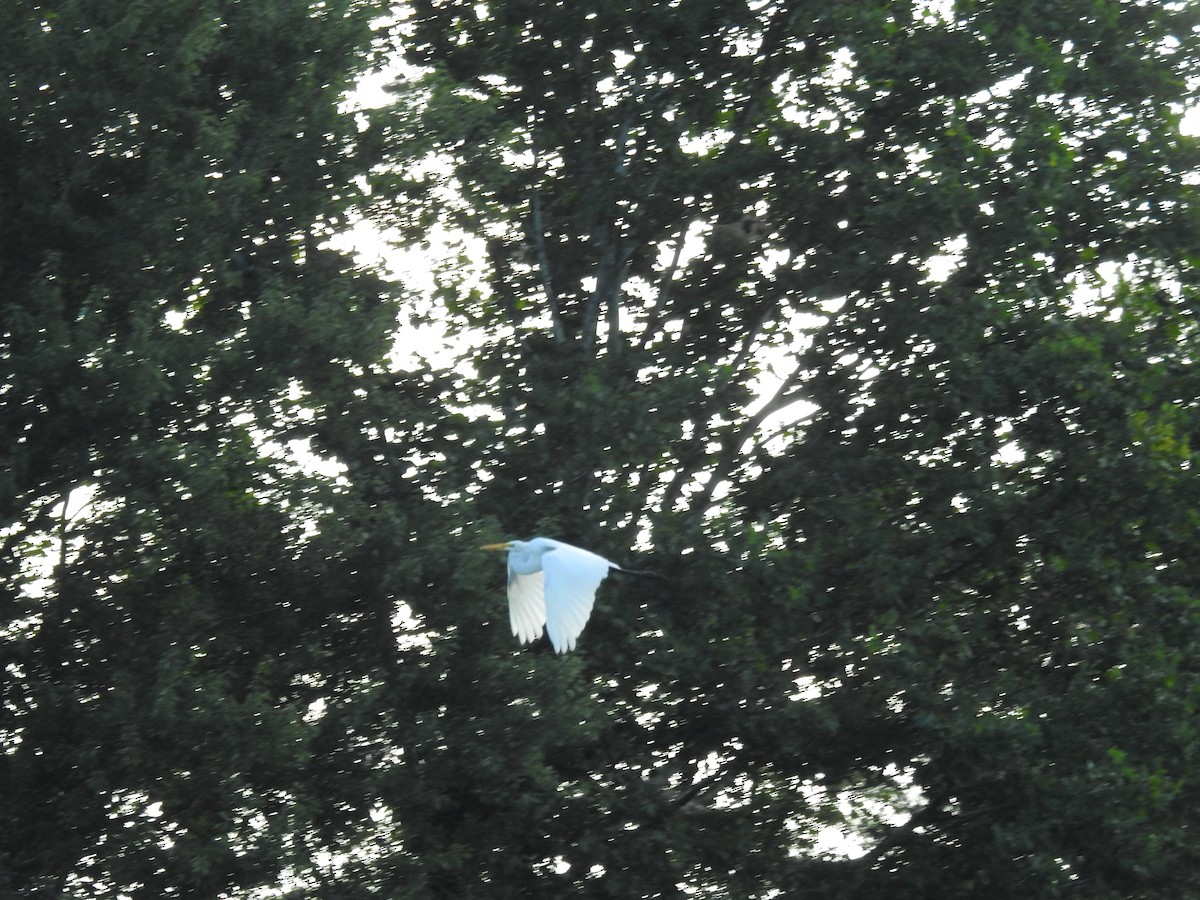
[870, 326]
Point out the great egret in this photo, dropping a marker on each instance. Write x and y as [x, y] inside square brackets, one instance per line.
[552, 584]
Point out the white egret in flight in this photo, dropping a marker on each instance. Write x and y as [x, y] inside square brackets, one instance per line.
[553, 584]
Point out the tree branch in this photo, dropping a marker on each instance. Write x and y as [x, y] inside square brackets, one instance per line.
[538, 240]
[664, 293]
[732, 444]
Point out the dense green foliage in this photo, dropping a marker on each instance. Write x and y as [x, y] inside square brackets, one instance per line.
[911, 441]
[169, 173]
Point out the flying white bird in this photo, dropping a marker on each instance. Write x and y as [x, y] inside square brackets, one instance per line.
[553, 584]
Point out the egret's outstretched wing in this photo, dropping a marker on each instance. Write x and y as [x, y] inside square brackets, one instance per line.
[572, 576]
[526, 606]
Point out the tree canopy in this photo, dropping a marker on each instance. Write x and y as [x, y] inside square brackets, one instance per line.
[870, 326]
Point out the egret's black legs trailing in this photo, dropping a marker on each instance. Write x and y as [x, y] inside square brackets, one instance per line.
[640, 574]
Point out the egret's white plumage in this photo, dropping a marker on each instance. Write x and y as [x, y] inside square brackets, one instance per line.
[551, 584]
